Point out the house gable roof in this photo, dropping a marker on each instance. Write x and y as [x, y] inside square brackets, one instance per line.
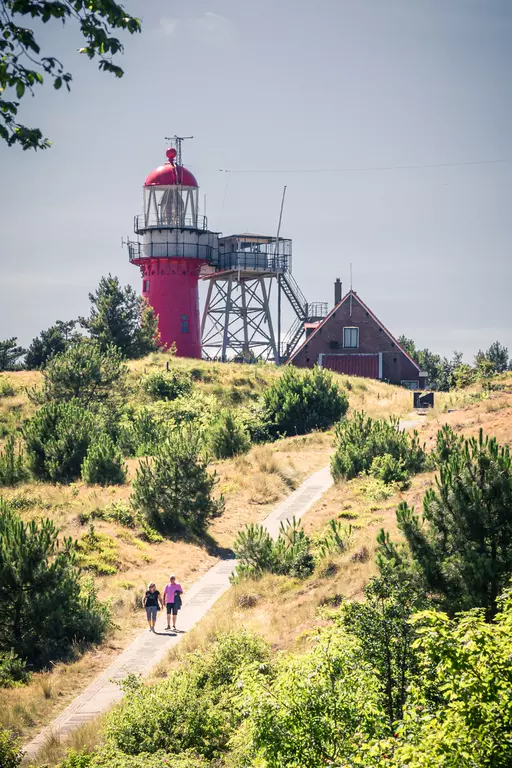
[326, 319]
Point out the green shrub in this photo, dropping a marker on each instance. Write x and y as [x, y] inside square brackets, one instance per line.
[57, 439]
[334, 539]
[167, 385]
[12, 464]
[97, 552]
[174, 490]
[253, 419]
[109, 757]
[448, 443]
[86, 374]
[147, 719]
[390, 470]
[45, 607]
[315, 709]
[257, 553]
[103, 464]
[11, 753]
[194, 410]
[227, 437]
[142, 435]
[302, 401]
[6, 388]
[13, 670]
[121, 512]
[360, 439]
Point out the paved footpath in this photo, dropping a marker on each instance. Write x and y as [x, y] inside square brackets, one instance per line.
[149, 648]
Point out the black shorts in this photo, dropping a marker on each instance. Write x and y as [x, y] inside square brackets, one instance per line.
[172, 608]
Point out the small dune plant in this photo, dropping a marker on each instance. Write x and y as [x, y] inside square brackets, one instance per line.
[227, 437]
[12, 464]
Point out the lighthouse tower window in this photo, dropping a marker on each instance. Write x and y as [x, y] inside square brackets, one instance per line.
[184, 323]
[145, 287]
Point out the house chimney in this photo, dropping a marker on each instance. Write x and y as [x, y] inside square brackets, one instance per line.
[337, 291]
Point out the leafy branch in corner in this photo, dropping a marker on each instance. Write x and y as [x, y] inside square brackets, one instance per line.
[22, 67]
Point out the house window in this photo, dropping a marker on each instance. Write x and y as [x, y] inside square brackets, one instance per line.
[410, 384]
[145, 287]
[351, 337]
[184, 323]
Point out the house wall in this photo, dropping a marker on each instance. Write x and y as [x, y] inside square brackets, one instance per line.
[328, 339]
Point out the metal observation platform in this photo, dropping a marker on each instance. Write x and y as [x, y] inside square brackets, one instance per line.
[241, 321]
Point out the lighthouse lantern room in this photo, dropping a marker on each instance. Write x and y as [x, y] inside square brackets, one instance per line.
[174, 243]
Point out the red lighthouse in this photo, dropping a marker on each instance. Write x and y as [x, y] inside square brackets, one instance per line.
[174, 244]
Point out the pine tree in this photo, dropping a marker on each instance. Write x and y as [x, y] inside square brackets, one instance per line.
[10, 353]
[463, 545]
[120, 318]
[86, 374]
[43, 609]
[174, 489]
[50, 343]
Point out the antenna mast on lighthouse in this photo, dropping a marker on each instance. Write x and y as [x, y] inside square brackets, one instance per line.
[177, 141]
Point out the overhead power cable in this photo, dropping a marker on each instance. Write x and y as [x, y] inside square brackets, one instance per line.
[362, 168]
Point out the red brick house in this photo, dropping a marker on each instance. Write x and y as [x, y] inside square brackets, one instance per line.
[352, 340]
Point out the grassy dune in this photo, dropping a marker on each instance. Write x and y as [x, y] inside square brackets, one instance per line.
[122, 562]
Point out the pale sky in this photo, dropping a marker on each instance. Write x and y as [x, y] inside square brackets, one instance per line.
[285, 85]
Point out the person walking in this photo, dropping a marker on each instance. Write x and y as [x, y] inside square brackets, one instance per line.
[172, 599]
[151, 602]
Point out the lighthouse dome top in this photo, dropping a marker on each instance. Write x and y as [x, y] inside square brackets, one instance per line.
[170, 174]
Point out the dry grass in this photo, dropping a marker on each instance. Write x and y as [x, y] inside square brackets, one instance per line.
[86, 738]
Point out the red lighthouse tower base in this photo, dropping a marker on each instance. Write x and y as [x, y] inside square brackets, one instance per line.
[171, 287]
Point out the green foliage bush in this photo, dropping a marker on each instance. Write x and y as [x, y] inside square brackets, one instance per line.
[458, 711]
[103, 463]
[360, 439]
[12, 464]
[45, 607]
[11, 753]
[227, 437]
[49, 343]
[174, 489]
[109, 757]
[192, 708]
[257, 553]
[302, 401]
[167, 385]
[390, 470]
[319, 708]
[57, 440]
[13, 671]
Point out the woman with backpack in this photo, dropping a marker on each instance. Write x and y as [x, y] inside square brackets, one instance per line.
[172, 599]
[152, 601]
